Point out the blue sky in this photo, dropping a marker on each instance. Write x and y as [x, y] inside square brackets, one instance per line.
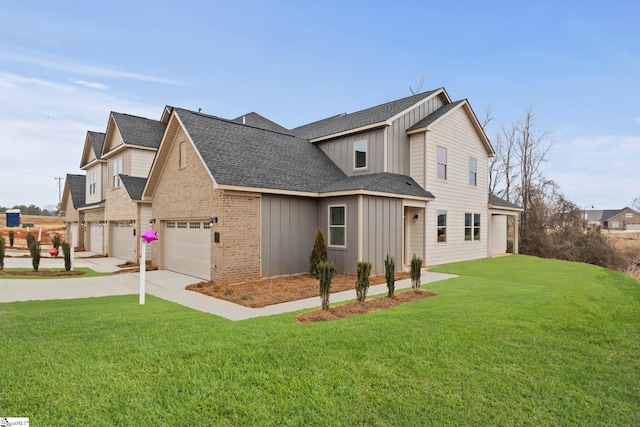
[65, 65]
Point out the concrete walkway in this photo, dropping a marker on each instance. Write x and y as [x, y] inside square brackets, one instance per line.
[163, 284]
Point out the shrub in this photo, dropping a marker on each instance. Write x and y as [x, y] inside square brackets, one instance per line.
[35, 255]
[3, 243]
[326, 270]
[66, 250]
[362, 280]
[55, 240]
[12, 235]
[416, 266]
[30, 240]
[390, 274]
[318, 254]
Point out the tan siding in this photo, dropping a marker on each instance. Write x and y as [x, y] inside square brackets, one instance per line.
[341, 150]
[93, 198]
[416, 158]
[141, 161]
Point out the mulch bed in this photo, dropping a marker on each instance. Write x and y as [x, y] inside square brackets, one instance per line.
[42, 273]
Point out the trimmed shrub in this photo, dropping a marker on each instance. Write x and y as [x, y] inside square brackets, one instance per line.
[362, 280]
[416, 266]
[12, 235]
[326, 270]
[318, 254]
[55, 240]
[66, 250]
[3, 243]
[30, 240]
[390, 274]
[35, 255]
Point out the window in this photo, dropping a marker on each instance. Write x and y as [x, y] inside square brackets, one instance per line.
[337, 225]
[182, 225]
[442, 226]
[473, 171]
[194, 225]
[183, 155]
[442, 163]
[92, 183]
[628, 215]
[360, 155]
[171, 225]
[471, 227]
[117, 169]
[615, 224]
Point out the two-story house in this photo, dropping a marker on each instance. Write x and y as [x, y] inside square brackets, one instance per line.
[235, 200]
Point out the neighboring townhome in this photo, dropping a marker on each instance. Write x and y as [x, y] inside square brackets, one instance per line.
[95, 167]
[130, 145]
[625, 219]
[73, 200]
[234, 201]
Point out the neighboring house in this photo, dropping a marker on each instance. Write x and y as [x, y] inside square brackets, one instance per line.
[73, 200]
[235, 200]
[129, 147]
[614, 219]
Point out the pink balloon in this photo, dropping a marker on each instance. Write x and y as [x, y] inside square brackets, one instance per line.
[149, 236]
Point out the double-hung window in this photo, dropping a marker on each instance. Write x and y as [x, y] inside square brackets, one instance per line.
[471, 227]
[337, 226]
[360, 155]
[442, 226]
[92, 183]
[473, 171]
[442, 163]
[117, 170]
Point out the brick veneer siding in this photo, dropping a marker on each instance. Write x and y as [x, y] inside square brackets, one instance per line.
[120, 208]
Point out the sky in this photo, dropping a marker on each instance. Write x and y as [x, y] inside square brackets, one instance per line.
[65, 65]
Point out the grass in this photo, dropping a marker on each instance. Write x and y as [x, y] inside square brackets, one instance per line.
[513, 341]
[87, 273]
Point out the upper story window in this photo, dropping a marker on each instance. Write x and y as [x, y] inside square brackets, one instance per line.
[337, 226]
[628, 215]
[92, 183]
[183, 155]
[116, 171]
[442, 163]
[360, 155]
[471, 226]
[442, 226]
[473, 171]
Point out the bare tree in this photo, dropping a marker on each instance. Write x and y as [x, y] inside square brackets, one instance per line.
[418, 88]
[636, 203]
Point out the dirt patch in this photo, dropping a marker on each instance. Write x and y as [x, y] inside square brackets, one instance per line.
[50, 225]
[356, 308]
[265, 292]
[42, 273]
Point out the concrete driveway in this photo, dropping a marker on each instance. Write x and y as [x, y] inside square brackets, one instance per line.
[163, 284]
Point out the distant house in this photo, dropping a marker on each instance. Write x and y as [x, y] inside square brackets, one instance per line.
[73, 200]
[625, 219]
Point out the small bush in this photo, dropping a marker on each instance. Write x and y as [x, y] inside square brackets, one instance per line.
[362, 280]
[35, 255]
[326, 270]
[12, 235]
[3, 243]
[416, 266]
[390, 274]
[55, 240]
[66, 250]
[30, 239]
[318, 254]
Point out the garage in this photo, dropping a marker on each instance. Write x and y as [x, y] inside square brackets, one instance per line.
[187, 248]
[122, 240]
[633, 227]
[95, 237]
[73, 230]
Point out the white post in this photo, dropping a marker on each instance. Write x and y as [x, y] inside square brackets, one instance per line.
[40, 235]
[72, 248]
[143, 270]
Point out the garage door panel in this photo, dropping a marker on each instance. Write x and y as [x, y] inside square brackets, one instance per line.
[95, 238]
[122, 240]
[187, 248]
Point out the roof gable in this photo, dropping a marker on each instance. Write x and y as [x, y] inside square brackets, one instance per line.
[133, 185]
[92, 148]
[128, 130]
[74, 187]
[258, 121]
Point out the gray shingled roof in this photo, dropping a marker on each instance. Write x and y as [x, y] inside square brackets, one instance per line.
[242, 155]
[258, 121]
[139, 130]
[435, 115]
[134, 186]
[97, 141]
[382, 182]
[345, 122]
[77, 189]
[499, 202]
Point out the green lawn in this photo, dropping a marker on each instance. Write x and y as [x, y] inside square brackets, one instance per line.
[87, 273]
[513, 341]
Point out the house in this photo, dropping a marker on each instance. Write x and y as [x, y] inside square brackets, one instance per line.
[614, 219]
[235, 200]
[93, 218]
[73, 200]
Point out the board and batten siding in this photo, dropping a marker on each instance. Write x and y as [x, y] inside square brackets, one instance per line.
[288, 231]
[141, 161]
[454, 195]
[345, 259]
[341, 152]
[398, 141]
[97, 196]
[381, 231]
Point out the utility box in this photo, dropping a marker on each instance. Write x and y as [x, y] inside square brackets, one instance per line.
[13, 217]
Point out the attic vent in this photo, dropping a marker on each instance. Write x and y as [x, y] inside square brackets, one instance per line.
[408, 183]
[244, 120]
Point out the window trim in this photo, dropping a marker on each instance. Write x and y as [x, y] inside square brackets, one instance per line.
[443, 164]
[92, 183]
[438, 226]
[343, 226]
[472, 227]
[115, 178]
[473, 172]
[366, 155]
[182, 155]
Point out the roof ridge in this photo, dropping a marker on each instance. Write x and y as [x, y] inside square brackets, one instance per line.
[425, 93]
[135, 117]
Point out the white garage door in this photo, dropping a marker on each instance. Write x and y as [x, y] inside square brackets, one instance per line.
[122, 240]
[187, 248]
[73, 229]
[95, 238]
[633, 227]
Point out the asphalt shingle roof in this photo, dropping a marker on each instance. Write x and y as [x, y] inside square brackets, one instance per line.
[139, 130]
[435, 115]
[133, 185]
[382, 182]
[77, 189]
[499, 202]
[243, 155]
[345, 122]
[97, 141]
[258, 121]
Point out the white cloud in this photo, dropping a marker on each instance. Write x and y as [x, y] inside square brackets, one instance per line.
[91, 85]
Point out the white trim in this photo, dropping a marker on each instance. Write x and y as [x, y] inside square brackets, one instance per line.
[366, 155]
[329, 226]
[385, 150]
[350, 131]
[360, 225]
